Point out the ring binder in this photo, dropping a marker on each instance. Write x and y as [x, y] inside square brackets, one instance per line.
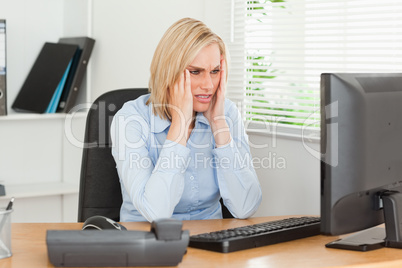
[78, 68]
[3, 89]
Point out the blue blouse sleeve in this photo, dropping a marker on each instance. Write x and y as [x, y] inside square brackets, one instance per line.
[147, 183]
[238, 183]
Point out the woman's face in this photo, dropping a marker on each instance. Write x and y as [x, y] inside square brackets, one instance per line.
[205, 76]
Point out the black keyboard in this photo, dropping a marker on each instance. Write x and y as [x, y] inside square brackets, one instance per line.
[257, 235]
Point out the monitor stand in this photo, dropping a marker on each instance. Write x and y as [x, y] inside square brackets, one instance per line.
[362, 241]
[392, 202]
[377, 237]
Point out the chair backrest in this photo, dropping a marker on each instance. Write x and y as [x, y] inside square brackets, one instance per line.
[100, 192]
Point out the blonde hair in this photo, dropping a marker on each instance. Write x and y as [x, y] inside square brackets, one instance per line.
[176, 50]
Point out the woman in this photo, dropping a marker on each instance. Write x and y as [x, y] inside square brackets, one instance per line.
[182, 147]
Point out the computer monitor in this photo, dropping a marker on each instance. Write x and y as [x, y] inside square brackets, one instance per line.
[361, 159]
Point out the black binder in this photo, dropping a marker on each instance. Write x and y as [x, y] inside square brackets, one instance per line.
[77, 73]
[43, 80]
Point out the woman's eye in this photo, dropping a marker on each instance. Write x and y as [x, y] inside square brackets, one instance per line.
[215, 71]
[194, 72]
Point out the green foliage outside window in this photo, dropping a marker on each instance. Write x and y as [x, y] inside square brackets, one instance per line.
[260, 67]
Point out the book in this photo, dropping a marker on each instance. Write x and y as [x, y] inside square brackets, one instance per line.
[44, 78]
[77, 73]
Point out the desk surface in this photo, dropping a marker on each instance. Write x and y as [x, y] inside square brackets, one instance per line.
[29, 248]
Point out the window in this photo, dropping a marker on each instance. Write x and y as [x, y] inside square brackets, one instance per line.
[279, 48]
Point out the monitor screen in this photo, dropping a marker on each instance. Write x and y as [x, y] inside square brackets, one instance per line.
[361, 149]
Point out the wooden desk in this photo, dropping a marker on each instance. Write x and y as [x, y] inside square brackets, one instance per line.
[29, 249]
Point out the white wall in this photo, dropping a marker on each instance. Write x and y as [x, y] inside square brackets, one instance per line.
[289, 175]
[27, 30]
[127, 33]
[34, 150]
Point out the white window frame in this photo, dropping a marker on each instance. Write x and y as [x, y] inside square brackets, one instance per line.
[351, 42]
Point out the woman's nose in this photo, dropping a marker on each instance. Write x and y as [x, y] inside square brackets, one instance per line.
[207, 82]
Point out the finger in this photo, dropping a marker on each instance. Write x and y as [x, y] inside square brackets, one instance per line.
[223, 76]
[188, 82]
[223, 65]
[177, 85]
[222, 84]
[181, 82]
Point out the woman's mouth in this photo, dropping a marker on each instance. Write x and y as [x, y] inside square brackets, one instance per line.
[203, 98]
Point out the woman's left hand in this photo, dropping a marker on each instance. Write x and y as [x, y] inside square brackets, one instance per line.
[216, 111]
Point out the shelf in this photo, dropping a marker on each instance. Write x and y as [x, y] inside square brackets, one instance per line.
[39, 190]
[55, 116]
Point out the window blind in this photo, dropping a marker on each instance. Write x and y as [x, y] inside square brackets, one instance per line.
[279, 48]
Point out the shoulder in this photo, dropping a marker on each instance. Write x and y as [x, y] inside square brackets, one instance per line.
[134, 115]
[138, 114]
[136, 107]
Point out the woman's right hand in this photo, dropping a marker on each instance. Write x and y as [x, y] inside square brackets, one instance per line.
[181, 109]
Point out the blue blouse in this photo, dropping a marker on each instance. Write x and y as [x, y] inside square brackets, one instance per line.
[163, 179]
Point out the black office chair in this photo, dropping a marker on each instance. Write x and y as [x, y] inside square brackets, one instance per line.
[100, 192]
